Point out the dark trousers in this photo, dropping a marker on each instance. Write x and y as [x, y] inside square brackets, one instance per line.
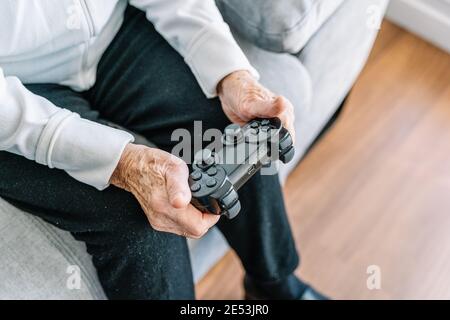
[144, 85]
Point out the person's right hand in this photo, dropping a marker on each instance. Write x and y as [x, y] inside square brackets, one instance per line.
[159, 181]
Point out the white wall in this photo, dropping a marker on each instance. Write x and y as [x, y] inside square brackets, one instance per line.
[429, 19]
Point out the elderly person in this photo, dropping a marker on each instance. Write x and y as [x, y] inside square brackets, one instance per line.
[67, 69]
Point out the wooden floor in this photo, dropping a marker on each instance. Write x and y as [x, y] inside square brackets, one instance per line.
[376, 189]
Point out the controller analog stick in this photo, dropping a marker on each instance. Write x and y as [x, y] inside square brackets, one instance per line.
[205, 159]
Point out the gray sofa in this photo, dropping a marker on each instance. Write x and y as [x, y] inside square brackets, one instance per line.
[315, 60]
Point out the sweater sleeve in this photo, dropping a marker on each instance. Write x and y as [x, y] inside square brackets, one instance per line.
[33, 127]
[195, 28]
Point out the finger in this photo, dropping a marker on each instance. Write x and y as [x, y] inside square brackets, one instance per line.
[210, 220]
[267, 108]
[288, 123]
[196, 223]
[177, 185]
[288, 119]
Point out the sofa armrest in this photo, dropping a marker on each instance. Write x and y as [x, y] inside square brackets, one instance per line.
[279, 26]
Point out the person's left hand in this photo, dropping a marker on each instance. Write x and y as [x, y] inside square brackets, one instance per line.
[243, 98]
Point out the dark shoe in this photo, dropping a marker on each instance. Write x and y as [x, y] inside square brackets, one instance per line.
[290, 288]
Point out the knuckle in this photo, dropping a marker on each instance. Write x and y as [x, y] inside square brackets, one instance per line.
[198, 231]
[157, 226]
[194, 237]
[283, 104]
[196, 234]
[177, 164]
[283, 99]
[278, 108]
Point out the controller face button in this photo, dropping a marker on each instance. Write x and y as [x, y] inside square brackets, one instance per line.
[212, 171]
[211, 183]
[196, 175]
[207, 159]
[265, 122]
[196, 187]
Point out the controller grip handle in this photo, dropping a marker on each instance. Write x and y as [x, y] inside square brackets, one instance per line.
[286, 146]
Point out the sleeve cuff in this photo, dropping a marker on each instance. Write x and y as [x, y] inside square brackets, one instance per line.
[214, 54]
[87, 151]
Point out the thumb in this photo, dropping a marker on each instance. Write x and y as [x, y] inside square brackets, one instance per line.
[269, 108]
[177, 185]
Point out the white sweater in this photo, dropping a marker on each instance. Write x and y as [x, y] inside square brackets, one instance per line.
[62, 41]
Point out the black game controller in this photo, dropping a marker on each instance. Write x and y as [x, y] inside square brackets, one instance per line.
[220, 170]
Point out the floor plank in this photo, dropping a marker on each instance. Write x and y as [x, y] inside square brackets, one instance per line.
[376, 189]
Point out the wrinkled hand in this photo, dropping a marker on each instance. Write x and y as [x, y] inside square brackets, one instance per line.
[159, 181]
[244, 98]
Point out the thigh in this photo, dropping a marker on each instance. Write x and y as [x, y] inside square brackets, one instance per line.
[144, 85]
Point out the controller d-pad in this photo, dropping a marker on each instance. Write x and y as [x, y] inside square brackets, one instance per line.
[196, 175]
[196, 187]
[211, 183]
[212, 171]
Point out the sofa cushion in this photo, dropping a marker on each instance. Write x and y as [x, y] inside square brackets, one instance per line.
[38, 260]
[280, 26]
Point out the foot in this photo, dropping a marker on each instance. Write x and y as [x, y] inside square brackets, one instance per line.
[290, 288]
